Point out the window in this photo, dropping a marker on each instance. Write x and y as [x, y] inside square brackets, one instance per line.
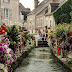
[46, 11]
[50, 23]
[6, 13]
[6, 1]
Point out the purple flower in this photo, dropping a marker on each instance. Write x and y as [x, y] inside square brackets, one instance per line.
[2, 57]
[7, 39]
[11, 52]
[5, 51]
[2, 38]
[11, 60]
[0, 44]
[8, 66]
[8, 44]
[15, 57]
[1, 49]
[4, 43]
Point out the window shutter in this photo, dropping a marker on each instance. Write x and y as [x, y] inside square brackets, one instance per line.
[10, 14]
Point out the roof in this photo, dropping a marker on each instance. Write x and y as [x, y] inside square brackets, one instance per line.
[22, 8]
[25, 14]
[54, 6]
[39, 7]
[24, 11]
[43, 6]
[43, 11]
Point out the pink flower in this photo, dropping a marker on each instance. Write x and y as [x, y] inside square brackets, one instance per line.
[0, 44]
[15, 57]
[2, 38]
[1, 49]
[11, 60]
[5, 51]
[2, 57]
[7, 39]
[11, 52]
[4, 43]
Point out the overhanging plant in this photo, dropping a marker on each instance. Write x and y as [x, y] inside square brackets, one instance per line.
[63, 34]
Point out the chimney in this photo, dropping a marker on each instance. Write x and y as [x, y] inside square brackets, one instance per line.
[52, 0]
[35, 3]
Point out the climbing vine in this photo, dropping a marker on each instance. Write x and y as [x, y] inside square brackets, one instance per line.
[62, 15]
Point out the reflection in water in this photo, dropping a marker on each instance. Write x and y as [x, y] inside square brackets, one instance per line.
[40, 60]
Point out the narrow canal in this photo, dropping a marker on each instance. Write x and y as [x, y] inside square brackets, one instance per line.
[40, 60]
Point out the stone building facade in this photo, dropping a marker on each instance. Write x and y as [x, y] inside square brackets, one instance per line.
[11, 12]
[42, 16]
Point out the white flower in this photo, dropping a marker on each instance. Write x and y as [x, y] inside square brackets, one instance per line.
[8, 50]
[5, 46]
[5, 70]
[1, 66]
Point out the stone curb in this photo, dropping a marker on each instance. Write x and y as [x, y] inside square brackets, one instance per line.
[68, 69]
[21, 58]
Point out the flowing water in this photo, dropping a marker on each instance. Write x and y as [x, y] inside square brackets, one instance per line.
[40, 60]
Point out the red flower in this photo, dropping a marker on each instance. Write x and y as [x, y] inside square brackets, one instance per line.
[21, 47]
[0, 31]
[3, 28]
[57, 42]
[63, 40]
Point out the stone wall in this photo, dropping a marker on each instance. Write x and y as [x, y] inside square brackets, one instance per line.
[31, 23]
[13, 11]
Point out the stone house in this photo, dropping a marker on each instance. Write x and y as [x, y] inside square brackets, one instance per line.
[11, 12]
[23, 13]
[42, 16]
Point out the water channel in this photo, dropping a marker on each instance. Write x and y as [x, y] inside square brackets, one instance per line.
[40, 60]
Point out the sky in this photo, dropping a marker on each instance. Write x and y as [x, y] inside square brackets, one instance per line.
[28, 3]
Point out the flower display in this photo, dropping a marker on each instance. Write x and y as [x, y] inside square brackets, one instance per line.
[63, 35]
[6, 54]
[12, 40]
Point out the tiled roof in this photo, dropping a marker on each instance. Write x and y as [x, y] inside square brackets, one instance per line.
[43, 5]
[22, 8]
[39, 7]
[55, 6]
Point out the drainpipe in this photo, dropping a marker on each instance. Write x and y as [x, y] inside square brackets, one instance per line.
[35, 23]
[0, 11]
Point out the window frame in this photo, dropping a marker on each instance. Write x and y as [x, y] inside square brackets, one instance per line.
[6, 2]
[6, 17]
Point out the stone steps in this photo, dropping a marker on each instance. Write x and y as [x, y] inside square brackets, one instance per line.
[43, 44]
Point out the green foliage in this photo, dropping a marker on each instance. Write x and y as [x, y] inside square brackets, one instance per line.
[12, 33]
[60, 31]
[62, 15]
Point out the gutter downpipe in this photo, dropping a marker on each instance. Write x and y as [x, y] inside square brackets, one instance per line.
[35, 24]
[0, 11]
